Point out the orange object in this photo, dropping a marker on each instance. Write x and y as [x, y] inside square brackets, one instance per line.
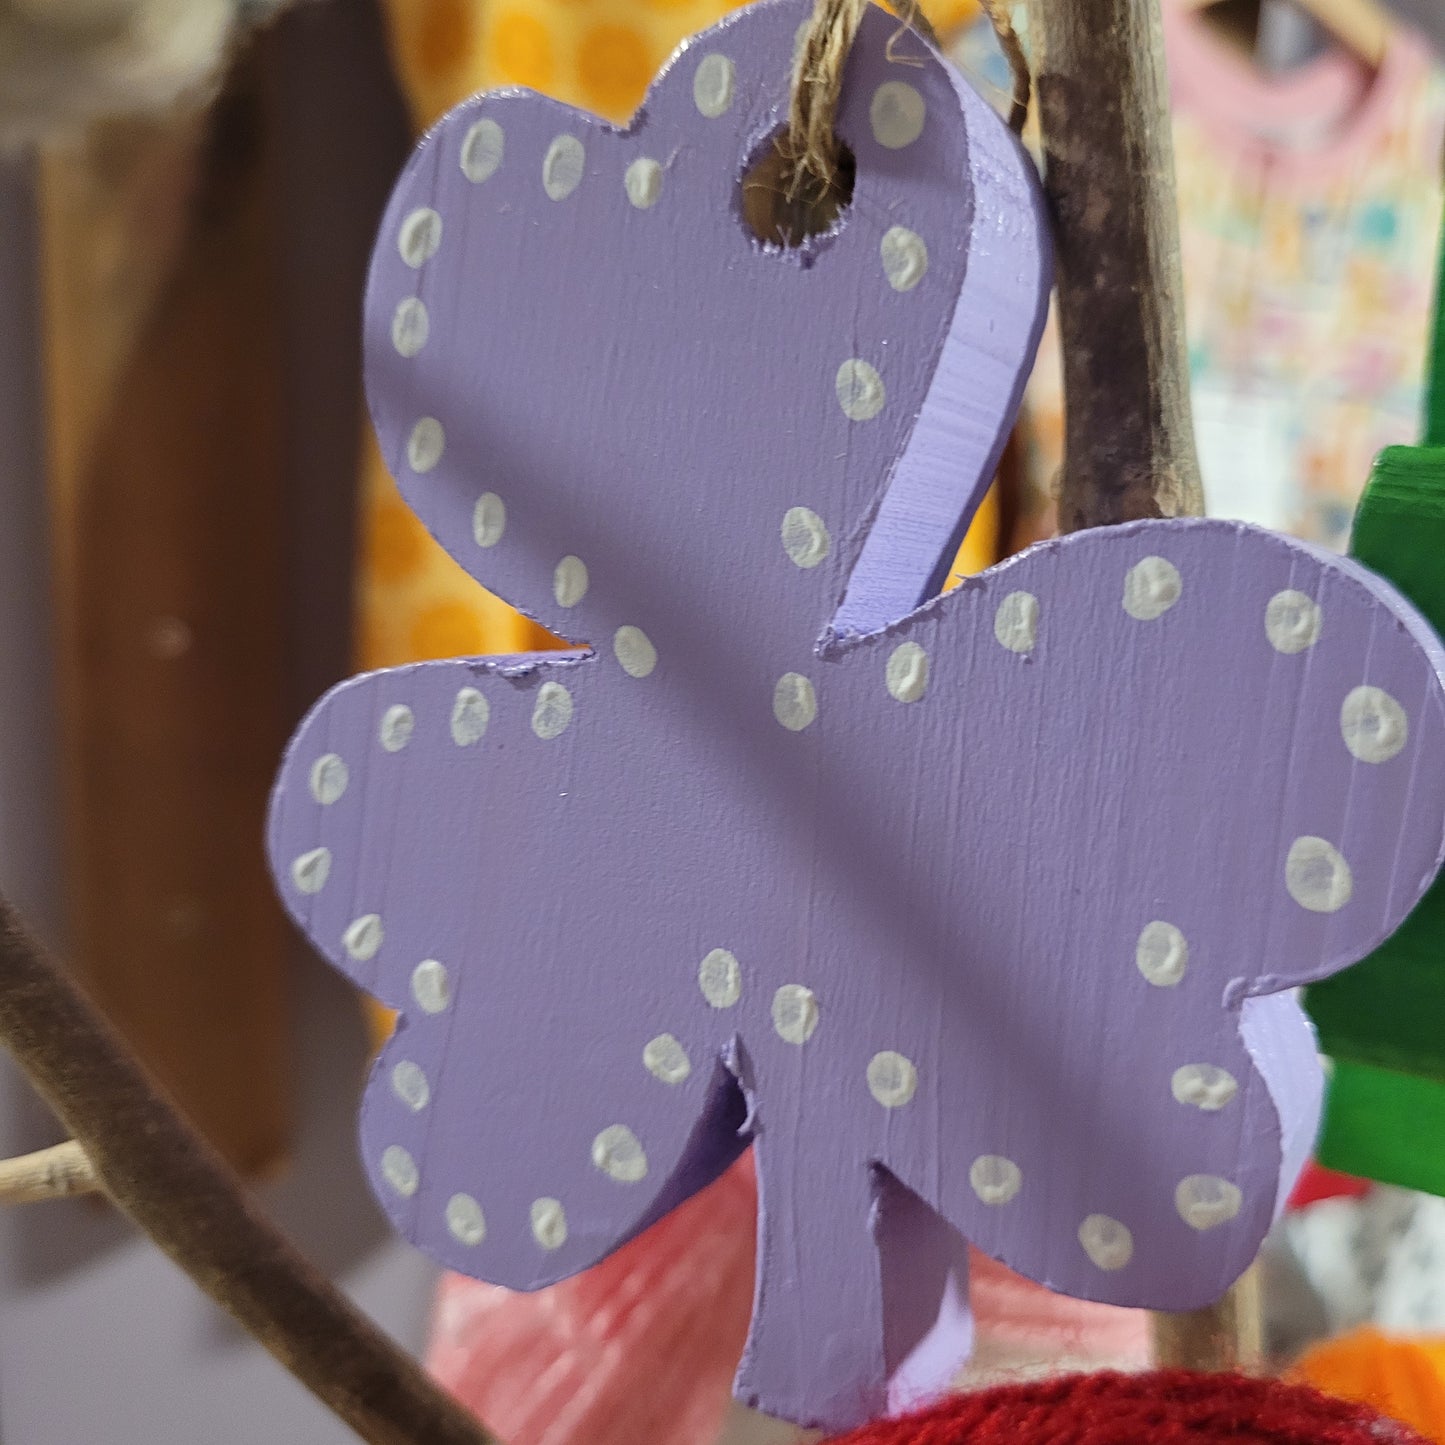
[1401, 1378]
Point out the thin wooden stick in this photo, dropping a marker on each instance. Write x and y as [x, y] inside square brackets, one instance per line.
[1129, 434]
[55, 1173]
[156, 1168]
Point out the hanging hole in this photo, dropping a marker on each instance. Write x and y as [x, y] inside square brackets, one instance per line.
[782, 209]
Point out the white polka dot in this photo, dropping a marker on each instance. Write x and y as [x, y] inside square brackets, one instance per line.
[329, 777]
[896, 113]
[483, 147]
[311, 870]
[860, 390]
[795, 1013]
[995, 1179]
[794, 703]
[1205, 1201]
[634, 651]
[569, 581]
[363, 936]
[720, 979]
[431, 986]
[489, 520]
[713, 84]
[618, 1154]
[410, 326]
[905, 258]
[1151, 588]
[666, 1059]
[1317, 877]
[907, 672]
[396, 727]
[409, 1084]
[552, 712]
[1016, 623]
[419, 237]
[399, 1170]
[465, 1220]
[892, 1079]
[562, 167]
[643, 183]
[1107, 1242]
[805, 538]
[425, 445]
[549, 1223]
[1204, 1086]
[1292, 622]
[471, 713]
[1162, 954]
[1375, 727]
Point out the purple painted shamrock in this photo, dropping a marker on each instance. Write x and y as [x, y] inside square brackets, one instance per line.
[978, 918]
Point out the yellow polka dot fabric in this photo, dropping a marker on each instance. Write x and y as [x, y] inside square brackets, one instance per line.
[415, 602]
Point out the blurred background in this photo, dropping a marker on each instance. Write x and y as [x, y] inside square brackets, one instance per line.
[197, 537]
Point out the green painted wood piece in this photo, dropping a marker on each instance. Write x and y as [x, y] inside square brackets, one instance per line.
[1385, 1126]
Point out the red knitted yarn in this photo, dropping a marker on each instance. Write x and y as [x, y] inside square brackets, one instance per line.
[1165, 1407]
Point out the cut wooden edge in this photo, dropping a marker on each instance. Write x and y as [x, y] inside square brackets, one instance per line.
[60, 1172]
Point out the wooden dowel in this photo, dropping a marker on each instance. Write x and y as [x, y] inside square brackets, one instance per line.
[55, 1173]
[160, 1171]
[1128, 429]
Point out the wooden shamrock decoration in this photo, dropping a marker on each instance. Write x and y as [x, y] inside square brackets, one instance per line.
[977, 917]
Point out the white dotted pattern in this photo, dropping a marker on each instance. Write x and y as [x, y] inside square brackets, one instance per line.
[713, 84]
[1374, 726]
[431, 986]
[905, 258]
[471, 713]
[643, 183]
[1151, 588]
[483, 147]
[409, 1084]
[860, 390]
[397, 724]
[805, 537]
[720, 978]
[399, 1170]
[795, 1013]
[1205, 1201]
[419, 237]
[549, 1223]
[634, 651]
[465, 1220]
[1107, 1242]
[892, 1079]
[311, 870]
[666, 1059]
[329, 777]
[1204, 1086]
[1292, 622]
[363, 936]
[569, 581]
[795, 705]
[906, 674]
[489, 520]
[410, 326]
[1162, 954]
[1016, 623]
[1317, 876]
[896, 113]
[562, 167]
[995, 1179]
[426, 445]
[618, 1153]
[552, 712]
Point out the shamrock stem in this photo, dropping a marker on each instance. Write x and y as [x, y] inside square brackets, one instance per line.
[1109, 175]
[160, 1171]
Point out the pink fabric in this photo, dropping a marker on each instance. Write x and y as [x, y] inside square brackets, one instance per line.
[641, 1350]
